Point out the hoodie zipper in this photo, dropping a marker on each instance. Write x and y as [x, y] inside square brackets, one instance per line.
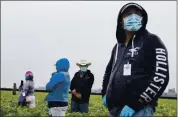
[123, 54]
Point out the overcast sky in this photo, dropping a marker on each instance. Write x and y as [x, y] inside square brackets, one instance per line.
[35, 34]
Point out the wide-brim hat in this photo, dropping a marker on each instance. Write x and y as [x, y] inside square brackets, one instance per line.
[83, 63]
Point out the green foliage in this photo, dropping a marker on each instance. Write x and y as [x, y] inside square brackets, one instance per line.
[9, 107]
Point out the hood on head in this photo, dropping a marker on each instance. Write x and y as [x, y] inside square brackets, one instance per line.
[62, 64]
[120, 33]
[29, 75]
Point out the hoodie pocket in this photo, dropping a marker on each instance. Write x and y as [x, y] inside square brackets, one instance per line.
[118, 92]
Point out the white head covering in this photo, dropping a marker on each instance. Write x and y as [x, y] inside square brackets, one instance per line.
[83, 63]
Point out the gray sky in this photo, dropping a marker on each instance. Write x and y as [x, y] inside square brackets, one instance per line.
[35, 34]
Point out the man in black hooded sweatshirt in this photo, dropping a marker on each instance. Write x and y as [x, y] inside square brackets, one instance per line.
[81, 86]
[137, 73]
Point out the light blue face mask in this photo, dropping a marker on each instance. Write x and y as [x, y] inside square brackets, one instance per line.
[132, 22]
[83, 69]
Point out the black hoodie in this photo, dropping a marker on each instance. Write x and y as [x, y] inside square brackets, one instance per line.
[82, 85]
[149, 68]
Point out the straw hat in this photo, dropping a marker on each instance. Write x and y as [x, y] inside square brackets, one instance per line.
[83, 63]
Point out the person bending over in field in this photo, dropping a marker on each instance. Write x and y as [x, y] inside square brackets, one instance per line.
[28, 90]
[58, 88]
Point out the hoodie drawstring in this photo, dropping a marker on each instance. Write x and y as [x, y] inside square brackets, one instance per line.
[116, 53]
[115, 57]
[133, 49]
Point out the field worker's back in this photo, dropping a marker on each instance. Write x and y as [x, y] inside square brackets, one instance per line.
[29, 88]
[60, 91]
[59, 84]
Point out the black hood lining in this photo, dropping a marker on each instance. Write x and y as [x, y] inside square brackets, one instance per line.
[130, 5]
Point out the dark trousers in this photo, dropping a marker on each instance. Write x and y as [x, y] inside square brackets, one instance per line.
[77, 107]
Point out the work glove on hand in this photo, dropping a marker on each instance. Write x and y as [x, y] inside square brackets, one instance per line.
[104, 101]
[127, 112]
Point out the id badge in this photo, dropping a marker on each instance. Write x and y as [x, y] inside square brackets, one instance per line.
[23, 94]
[127, 69]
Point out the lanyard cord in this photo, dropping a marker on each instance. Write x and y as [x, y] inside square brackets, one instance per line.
[132, 50]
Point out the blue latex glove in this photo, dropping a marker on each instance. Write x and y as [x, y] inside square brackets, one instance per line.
[104, 101]
[127, 112]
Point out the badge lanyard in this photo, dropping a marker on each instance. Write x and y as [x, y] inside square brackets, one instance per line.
[127, 67]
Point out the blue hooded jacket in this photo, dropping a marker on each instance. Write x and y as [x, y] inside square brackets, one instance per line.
[59, 84]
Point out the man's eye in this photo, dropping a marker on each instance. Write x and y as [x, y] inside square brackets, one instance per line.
[138, 13]
[127, 14]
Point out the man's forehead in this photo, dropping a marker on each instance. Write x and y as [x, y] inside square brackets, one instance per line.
[83, 66]
[132, 9]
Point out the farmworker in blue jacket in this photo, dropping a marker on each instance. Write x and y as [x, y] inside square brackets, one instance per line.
[58, 88]
[137, 73]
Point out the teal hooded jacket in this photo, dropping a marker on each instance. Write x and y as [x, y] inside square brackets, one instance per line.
[59, 84]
